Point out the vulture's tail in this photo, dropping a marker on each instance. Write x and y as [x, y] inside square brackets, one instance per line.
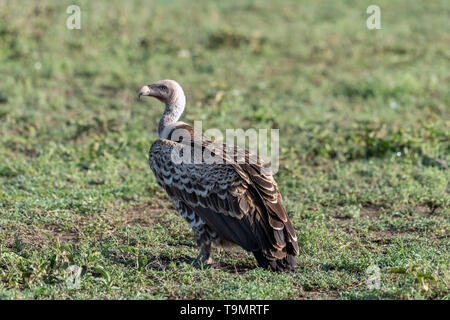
[287, 263]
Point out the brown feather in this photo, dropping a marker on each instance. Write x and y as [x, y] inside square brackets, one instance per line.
[234, 200]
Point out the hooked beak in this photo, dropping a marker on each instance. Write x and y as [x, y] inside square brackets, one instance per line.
[144, 91]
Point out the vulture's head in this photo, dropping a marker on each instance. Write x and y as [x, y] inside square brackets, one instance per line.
[166, 91]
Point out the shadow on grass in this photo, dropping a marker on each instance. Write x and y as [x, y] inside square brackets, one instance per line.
[159, 263]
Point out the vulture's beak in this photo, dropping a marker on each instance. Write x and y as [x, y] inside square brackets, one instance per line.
[144, 91]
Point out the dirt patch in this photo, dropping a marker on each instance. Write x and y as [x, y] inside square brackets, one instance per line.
[63, 235]
[422, 210]
[366, 210]
[145, 214]
[385, 237]
[37, 237]
[342, 220]
[382, 237]
[374, 211]
[371, 210]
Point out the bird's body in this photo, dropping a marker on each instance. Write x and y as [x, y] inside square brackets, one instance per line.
[228, 202]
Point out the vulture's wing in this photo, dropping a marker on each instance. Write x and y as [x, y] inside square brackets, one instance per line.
[235, 200]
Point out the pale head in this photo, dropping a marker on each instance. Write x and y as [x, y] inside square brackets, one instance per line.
[171, 94]
[168, 92]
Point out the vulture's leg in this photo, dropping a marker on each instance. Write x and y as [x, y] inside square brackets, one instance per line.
[203, 238]
[203, 235]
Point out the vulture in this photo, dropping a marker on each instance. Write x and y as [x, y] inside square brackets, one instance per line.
[226, 203]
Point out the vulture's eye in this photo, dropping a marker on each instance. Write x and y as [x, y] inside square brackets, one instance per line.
[163, 88]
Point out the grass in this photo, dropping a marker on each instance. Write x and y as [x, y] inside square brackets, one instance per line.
[364, 134]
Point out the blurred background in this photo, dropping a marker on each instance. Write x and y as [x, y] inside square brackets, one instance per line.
[364, 133]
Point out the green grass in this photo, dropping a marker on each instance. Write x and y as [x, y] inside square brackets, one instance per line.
[364, 133]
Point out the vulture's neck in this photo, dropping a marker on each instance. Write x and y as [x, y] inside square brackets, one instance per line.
[172, 113]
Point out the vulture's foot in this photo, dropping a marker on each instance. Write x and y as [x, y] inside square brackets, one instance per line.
[201, 261]
[204, 257]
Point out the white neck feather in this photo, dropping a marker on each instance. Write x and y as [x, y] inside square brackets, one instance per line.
[172, 112]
